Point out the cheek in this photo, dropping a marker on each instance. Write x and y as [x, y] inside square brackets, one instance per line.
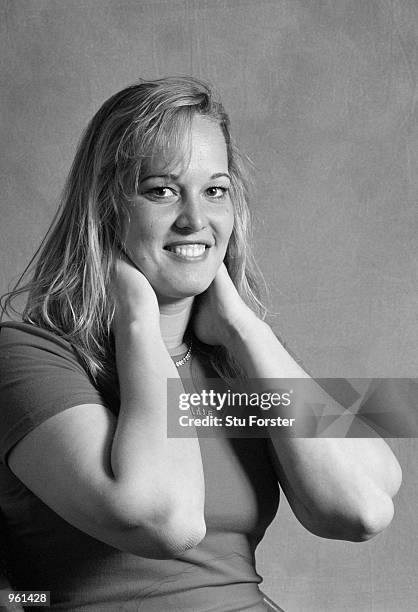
[225, 218]
[229, 221]
[228, 226]
[141, 229]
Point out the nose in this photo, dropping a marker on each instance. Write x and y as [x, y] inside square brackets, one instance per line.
[192, 216]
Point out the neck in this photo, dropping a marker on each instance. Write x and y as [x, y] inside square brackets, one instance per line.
[174, 318]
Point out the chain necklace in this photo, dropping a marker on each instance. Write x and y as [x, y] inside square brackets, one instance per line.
[186, 358]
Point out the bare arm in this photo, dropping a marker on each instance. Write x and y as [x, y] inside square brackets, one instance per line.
[337, 488]
[122, 481]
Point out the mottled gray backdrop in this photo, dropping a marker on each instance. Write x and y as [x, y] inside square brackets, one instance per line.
[323, 97]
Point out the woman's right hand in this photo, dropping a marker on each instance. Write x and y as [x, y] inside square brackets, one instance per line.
[134, 297]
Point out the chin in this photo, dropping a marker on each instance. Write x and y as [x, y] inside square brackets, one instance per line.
[184, 290]
[191, 292]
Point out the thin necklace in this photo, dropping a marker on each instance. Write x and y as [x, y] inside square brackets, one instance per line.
[187, 356]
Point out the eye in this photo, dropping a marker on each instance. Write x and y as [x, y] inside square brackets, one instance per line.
[217, 192]
[160, 193]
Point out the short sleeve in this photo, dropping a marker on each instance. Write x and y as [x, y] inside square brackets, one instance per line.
[40, 376]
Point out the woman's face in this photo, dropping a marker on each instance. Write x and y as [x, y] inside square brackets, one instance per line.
[182, 218]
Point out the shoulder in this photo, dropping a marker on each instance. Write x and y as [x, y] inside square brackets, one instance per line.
[24, 335]
[26, 347]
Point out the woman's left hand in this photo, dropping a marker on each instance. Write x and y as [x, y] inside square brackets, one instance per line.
[220, 311]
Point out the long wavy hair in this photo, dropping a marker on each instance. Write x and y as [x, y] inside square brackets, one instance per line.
[70, 274]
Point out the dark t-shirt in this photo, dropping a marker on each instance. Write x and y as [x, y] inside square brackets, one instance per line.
[40, 375]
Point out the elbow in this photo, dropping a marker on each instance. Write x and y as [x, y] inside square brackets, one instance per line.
[356, 524]
[158, 530]
[183, 538]
[374, 519]
[175, 535]
[376, 510]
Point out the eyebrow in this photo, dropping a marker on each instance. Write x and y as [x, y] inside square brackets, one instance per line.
[174, 177]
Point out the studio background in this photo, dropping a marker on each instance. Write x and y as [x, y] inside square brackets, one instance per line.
[322, 96]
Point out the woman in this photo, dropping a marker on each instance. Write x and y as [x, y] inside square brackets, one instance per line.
[146, 276]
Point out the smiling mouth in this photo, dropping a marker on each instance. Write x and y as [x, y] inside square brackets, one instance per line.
[187, 251]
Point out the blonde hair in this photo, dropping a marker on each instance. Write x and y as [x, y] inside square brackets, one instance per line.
[72, 269]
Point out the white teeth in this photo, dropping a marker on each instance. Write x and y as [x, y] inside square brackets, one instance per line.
[187, 250]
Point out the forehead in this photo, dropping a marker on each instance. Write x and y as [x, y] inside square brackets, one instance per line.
[202, 146]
